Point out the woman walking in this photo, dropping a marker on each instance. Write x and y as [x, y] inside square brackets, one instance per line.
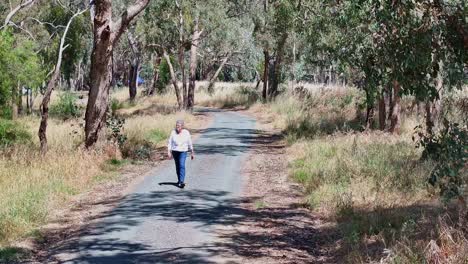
[180, 142]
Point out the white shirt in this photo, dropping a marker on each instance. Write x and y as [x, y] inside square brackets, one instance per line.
[180, 141]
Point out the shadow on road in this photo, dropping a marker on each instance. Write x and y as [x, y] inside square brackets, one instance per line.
[202, 208]
[170, 183]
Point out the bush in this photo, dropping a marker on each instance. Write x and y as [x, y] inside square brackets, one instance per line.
[448, 148]
[164, 77]
[66, 107]
[116, 105]
[11, 133]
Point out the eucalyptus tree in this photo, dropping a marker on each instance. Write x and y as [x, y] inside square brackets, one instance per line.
[231, 42]
[401, 47]
[161, 26]
[204, 19]
[42, 133]
[20, 65]
[274, 21]
[107, 33]
[181, 27]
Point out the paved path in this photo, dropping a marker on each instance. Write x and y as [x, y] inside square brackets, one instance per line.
[160, 223]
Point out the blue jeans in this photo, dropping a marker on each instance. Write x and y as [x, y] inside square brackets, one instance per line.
[179, 158]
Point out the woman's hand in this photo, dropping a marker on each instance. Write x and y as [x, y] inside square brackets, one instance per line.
[192, 155]
[169, 155]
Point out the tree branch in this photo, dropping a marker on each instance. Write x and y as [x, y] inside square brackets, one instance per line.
[45, 23]
[121, 24]
[15, 10]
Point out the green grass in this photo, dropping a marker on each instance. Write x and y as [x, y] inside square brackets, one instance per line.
[157, 136]
[12, 132]
[12, 254]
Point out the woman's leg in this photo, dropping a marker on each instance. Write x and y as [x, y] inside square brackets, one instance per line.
[182, 157]
[176, 156]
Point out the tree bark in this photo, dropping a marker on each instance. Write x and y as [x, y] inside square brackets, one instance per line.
[193, 66]
[134, 66]
[42, 133]
[369, 116]
[133, 82]
[174, 80]
[218, 71]
[382, 112]
[181, 55]
[276, 69]
[20, 100]
[266, 70]
[106, 35]
[395, 119]
[156, 64]
[14, 102]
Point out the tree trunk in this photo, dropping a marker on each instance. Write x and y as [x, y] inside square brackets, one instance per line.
[369, 116]
[382, 112]
[100, 72]
[154, 84]
[132, 86]
[42, 133]
[277, 67]
[28, 105]
[395, 119]
[430, 117]
[134, 66]
[20, 100]
[106, 36]
[174, 80]
[193, 66]
[181, 56]
[293, 66]
[14, 102]
[218, 71]
[265, 73]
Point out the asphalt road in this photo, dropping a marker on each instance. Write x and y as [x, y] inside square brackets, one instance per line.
[160, 223]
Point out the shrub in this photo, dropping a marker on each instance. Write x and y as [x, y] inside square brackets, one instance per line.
[66, 107]
[448, 148]
[12, 132]
[115, 126]
[115, 105]
[164, 77]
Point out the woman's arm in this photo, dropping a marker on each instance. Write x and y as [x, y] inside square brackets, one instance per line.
[190, 145]
[169, 146]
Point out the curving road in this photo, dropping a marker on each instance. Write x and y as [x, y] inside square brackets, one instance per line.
[160, 223]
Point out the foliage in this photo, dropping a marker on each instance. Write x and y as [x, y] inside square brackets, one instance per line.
[115, 125]
[410, 42]
[19, 66]
[12, 132]
[66, 107]
[449, 150]
[164, 77]
[75, 41]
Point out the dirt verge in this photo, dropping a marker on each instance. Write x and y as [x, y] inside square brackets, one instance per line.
[278, 228]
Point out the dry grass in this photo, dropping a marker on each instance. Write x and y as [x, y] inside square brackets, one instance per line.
[371, 185]
[32, 186]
